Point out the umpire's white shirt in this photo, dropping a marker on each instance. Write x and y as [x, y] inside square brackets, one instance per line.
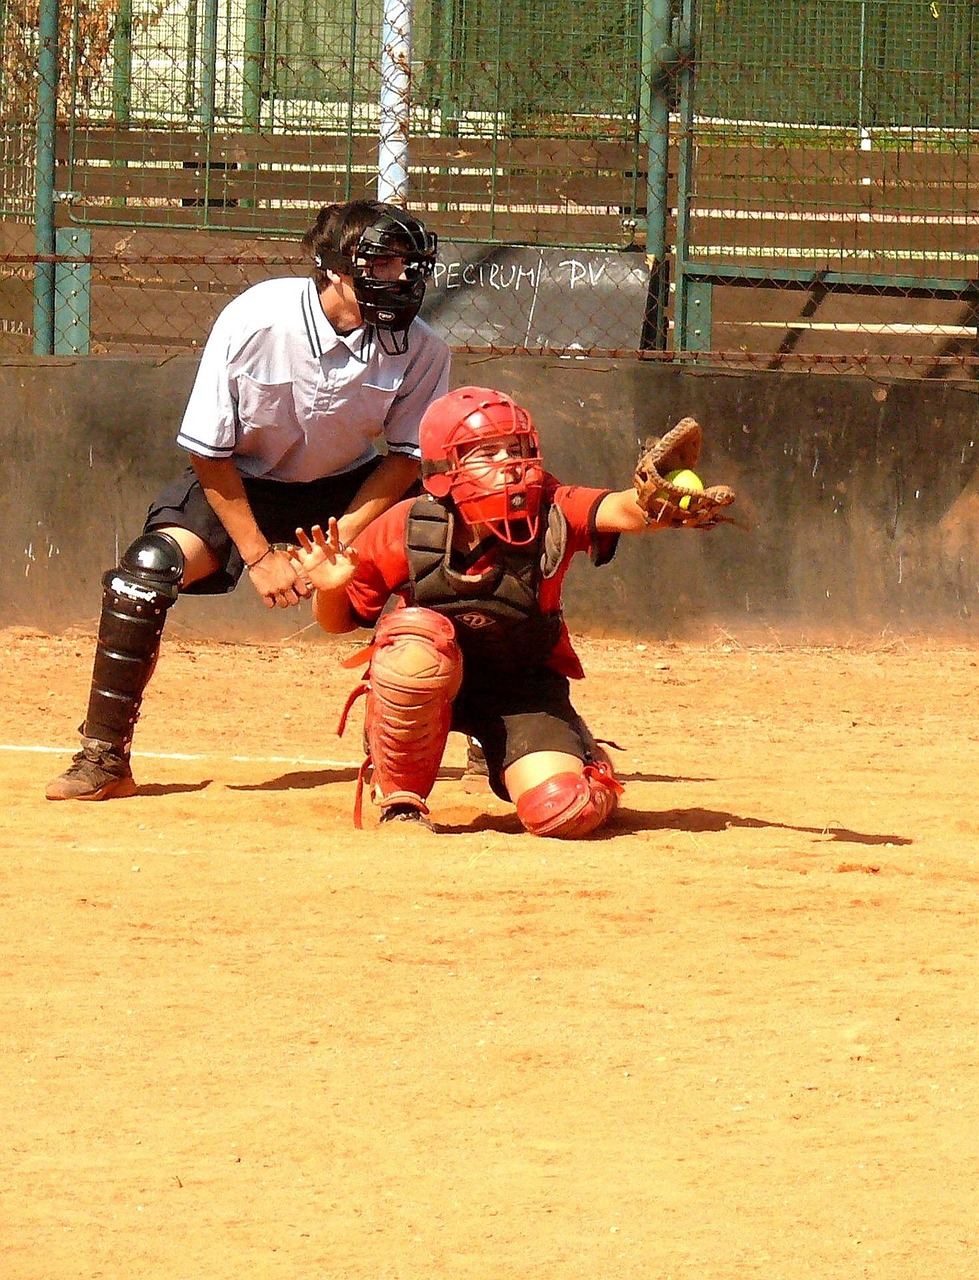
[280, 392]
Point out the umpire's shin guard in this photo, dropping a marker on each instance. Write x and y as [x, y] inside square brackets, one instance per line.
[135, 601]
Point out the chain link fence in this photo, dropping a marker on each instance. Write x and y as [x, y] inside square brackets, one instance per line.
[829, 185]
[731, 183]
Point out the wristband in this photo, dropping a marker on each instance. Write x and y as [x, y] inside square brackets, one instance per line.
[267, 552]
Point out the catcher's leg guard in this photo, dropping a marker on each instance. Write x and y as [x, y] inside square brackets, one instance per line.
[570, 805]
[415, 672]
[135, 600]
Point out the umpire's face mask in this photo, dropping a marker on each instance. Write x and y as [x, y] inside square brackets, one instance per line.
[390, 304]
[390, 268]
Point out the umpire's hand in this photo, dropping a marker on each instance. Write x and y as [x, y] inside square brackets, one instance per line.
[278, 580]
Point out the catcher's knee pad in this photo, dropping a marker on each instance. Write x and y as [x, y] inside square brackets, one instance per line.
[135, 599]
[415, 673]
[570, 805]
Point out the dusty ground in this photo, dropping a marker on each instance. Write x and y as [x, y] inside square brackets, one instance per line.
[736, 1037]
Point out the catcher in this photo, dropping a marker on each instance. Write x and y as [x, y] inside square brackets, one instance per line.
[478, 643]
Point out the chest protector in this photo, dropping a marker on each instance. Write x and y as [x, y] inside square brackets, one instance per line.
[497, 616]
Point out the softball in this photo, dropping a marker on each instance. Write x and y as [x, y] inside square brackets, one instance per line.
[686, 480]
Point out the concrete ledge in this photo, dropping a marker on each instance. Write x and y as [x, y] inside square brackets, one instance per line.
[861, 497]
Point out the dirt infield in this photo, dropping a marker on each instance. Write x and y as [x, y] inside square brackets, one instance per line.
[735, 1037]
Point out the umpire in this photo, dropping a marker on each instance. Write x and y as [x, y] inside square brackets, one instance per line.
[298, 380]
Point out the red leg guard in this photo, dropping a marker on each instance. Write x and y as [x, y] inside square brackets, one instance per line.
[415, 672]
[570, 805]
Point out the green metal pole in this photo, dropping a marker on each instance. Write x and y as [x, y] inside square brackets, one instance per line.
[209, 64]
[692, 298]
[73, 293]
[654, 124]
[251, 90]
[190, 62]
[351, 100]
[251, 102]
[3, 41]
[47, 123]
[209, 90]
[122, 76]
[122, 63]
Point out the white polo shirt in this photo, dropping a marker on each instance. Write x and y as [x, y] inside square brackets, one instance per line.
[280, 392]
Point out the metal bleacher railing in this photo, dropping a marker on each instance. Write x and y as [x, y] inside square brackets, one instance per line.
[784, 187]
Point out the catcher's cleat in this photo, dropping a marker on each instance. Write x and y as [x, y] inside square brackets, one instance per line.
[97, 772]
[405, 813]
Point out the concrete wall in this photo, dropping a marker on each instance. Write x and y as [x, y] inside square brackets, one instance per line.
[861, 498]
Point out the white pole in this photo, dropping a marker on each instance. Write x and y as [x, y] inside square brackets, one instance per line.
[392, 161]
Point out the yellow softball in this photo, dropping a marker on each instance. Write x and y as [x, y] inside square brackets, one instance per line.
[685, 480]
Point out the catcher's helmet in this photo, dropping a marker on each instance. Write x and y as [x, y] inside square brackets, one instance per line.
[387, 232]
[463, 436]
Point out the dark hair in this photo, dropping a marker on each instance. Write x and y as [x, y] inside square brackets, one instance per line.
[338, 229]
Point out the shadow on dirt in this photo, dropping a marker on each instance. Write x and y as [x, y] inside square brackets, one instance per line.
[694, 820]
[304, 780]
[629, 822]
[173, 788]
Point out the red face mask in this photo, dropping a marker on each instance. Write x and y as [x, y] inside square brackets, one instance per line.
[480, 449]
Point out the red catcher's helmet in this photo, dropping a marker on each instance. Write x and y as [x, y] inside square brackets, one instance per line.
[504, 494]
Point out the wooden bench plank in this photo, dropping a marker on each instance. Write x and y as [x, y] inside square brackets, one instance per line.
[736, 163]
[892, 265]
[293, 222]
[508, 226]
[834, 235]
[558, 155]
[834, 165]
[144, 185]
[817, 198]
[571, 226]
[145, 146]
[435, 187]
[264, 185]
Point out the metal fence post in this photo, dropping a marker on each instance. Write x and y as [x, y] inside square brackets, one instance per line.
[73, 293]
[251, 100]
[122, 63]
[47, 119]
[209, 68]
[691, 314]
[655, 133]
[392, 159]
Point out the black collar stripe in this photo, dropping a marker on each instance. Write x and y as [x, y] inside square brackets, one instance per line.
[310, 324]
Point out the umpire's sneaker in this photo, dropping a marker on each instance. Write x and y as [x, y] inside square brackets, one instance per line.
[98, 772]
[475, 776]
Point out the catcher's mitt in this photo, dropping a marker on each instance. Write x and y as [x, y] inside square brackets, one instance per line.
[660, 499]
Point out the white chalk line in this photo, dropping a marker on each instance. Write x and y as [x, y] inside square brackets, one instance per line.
[181, 755]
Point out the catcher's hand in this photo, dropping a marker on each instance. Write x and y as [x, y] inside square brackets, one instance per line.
[325, 562]
[660, 499]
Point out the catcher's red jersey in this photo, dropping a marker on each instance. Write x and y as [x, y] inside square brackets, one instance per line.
[382, 570]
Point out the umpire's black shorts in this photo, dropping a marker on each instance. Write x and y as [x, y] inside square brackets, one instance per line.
[279, 508]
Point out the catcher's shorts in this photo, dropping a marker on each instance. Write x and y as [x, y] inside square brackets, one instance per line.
[514, 717]
[279, 508]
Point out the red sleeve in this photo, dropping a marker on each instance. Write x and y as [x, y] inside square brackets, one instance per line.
[580, 506]
[382, 567]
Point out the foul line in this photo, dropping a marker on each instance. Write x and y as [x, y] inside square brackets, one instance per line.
[181, 755]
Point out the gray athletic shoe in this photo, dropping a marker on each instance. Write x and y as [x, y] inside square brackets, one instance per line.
[98, 772]
[476, 766]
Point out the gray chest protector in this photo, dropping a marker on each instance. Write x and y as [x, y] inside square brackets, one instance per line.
[498, 619]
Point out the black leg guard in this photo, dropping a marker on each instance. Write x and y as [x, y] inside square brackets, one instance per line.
[135, 600]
